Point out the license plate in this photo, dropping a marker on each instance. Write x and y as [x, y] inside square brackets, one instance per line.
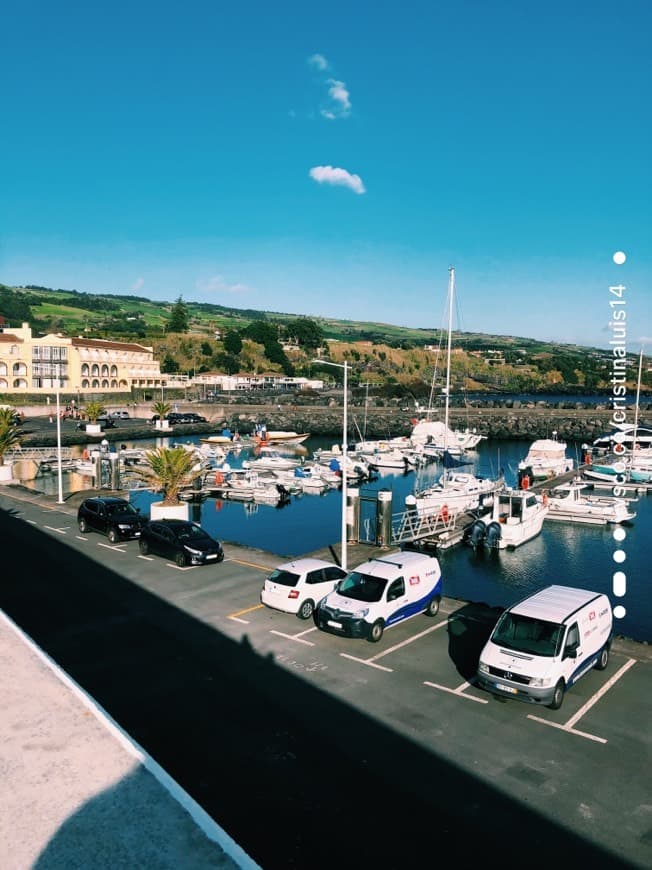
[212, 556]
[334, 624]
[509, 689]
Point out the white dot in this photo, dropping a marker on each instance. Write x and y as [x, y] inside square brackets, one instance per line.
[619, 611]
[619, 556]
[620, 584]
[619, 466]
[619, 258]
[620, 534]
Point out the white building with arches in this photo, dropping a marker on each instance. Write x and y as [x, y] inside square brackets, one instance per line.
[75, 365]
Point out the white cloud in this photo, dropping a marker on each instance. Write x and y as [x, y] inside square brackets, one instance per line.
[318, 61]
[340, 103]
[217, 284]
[333, 175]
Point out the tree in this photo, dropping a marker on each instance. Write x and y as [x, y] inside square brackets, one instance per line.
[167, 470]
[232, 342]
[169, 365]
[179, 320]
[94, 410]
[162, 409]
[206, 348]
[9, 432]
[306, 333]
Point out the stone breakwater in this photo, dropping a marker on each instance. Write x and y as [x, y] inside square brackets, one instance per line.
[524, 423]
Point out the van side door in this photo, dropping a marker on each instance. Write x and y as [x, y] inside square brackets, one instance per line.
[572, 654]
[397, 601]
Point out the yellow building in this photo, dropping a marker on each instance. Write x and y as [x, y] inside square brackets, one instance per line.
[82, 365]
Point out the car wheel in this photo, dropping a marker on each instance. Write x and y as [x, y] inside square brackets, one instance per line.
[113, 536]
[181, 560]
[433, 607]
[83, 526]
[558, 697]
[306, 610]
[143, 546]
[220, 557]
[603, 659]
[376, 631]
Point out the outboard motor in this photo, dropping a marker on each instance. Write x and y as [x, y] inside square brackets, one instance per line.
[493, 534]
[477, 533]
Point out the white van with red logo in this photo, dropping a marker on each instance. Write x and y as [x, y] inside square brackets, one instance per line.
[543, 644]
[381, 592]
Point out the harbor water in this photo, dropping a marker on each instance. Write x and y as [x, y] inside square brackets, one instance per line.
[564, 553]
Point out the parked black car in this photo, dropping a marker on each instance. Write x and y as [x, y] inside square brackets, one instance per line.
[115, 517]
[105, 423]
[178, 417]
[185, 542]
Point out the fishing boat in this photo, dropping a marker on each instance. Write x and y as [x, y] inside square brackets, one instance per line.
[516, 517]
[455, 491]
[576, 502]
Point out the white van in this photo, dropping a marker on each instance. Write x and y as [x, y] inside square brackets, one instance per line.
[545, 643]
[381, 592]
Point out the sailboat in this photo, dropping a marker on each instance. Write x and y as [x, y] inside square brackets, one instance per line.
[455, 491]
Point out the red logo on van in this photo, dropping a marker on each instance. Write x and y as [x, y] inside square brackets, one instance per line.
[414, 581]
[592, 614]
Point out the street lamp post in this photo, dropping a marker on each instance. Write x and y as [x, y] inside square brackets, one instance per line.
[59, 469]
[345, 429]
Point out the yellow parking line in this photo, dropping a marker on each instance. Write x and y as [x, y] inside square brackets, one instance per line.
[246, 610]
[250, 564]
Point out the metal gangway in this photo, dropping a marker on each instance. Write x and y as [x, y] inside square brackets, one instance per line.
[38, 454]
[409, 526]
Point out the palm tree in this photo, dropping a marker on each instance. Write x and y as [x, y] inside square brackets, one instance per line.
[167, 470]
[10, 436]
[94, 410]
[162, 409]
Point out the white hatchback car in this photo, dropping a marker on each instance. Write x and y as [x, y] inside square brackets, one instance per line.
[297, 587]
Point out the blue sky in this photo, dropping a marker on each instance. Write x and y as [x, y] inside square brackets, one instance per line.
[335, 159]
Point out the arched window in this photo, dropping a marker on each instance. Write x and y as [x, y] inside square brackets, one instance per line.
[19, 369]
[85, 370]
[95, 370]
[3, 384]
[85, 385]
[95, 384]
[3, 369]
[19, 382]
[105, 371]
[114, 371]
[114, 385]
[105, 385]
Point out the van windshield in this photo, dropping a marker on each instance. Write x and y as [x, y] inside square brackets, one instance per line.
[528, 635]
[362, 587]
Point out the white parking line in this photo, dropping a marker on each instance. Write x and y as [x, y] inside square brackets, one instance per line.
[146, 558]
[296, 637]
[568, 726]
[459, 691]
[81, 538]
[115, 549]
[58, 531]
[371, 662]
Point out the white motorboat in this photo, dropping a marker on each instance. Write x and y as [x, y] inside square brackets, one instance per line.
[455, 492]
[628, 435]
[271, 459]
[546, 458]
[575, 502]
[516, 516]
[394, 458]
[280, 436]
[435, 437]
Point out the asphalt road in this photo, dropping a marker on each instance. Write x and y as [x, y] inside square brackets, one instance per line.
[313, 750]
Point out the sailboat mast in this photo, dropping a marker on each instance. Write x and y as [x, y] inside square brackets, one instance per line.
[451, 286]
[638, 396]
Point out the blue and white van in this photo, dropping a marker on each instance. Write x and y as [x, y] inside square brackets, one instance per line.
[381, 592]
[543, 644]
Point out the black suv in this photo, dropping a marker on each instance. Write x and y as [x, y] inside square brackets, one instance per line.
[185, 542]
[115, 517]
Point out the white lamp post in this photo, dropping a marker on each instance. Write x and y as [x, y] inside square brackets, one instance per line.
[59, 475]
[345, 429]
